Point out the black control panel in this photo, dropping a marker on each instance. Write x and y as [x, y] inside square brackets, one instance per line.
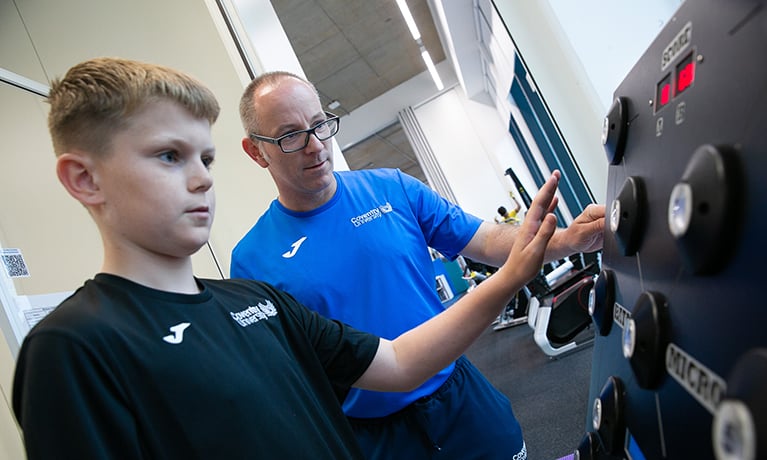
[680, 306]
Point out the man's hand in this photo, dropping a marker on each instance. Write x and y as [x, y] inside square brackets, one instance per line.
[586, 233]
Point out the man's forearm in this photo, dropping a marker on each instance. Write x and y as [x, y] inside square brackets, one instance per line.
[557, 249]
[497, 241]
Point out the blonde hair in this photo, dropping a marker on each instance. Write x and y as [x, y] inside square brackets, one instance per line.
[96, 98]
[248, 113]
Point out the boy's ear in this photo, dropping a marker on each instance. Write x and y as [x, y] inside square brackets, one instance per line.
[254, 152]
[75, 172]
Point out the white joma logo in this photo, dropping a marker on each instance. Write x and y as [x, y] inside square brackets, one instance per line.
[178, 333]
[294, 248]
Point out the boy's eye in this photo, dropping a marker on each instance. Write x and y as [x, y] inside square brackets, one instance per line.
[169, 156]
[207, 161]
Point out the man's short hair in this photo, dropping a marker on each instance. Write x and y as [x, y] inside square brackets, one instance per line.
[96, 98]
[248, 114]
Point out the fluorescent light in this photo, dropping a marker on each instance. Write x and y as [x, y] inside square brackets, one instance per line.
[432, 69]
[409, 19]
[334, 104]
[417, 37]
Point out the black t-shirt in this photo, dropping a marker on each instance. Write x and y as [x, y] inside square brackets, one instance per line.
[239, 371]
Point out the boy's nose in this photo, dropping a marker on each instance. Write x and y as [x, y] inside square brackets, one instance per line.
[201, 178]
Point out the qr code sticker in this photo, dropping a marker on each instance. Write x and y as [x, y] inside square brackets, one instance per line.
[14, 264]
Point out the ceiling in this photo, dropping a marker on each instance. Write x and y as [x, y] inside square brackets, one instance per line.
[354, 51]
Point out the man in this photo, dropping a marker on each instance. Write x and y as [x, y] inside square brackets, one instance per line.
[339, 239]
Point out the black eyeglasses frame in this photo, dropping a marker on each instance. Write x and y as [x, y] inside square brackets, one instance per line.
[313, 130]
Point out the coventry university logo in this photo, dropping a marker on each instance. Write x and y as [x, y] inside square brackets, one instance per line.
[371, 215]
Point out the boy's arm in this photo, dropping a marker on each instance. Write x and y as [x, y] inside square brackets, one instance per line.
[413, 357]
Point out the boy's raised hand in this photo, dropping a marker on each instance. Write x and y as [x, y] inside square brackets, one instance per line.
[526, 256]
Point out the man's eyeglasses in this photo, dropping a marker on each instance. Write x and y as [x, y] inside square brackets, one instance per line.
[297, 140]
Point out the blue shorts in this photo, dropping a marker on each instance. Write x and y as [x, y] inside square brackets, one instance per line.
[466, 418]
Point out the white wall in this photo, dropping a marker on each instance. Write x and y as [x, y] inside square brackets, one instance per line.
[469, 138]
[382, 111]
[577, 53]
[563, 83]
[459, 150]
[609, 51]
[473, 147]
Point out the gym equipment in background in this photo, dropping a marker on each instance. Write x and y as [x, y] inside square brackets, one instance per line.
[558, 309]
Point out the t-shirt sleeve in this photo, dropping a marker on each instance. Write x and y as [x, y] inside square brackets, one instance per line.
[237, 268]
[447, 227]
[345, 352]
[101, 425]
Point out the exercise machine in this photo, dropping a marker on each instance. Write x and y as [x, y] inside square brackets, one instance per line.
[558, 309]
[680, 355]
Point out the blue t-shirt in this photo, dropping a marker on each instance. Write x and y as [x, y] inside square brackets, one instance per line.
[362, 258]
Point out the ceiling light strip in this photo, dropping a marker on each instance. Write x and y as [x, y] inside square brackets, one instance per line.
[432, 70]
[409, 19]
[417, 37]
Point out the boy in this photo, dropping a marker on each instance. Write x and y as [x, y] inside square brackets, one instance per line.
[147, 361]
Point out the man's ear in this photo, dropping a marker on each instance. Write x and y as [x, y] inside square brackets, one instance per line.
[254, 152]
[76, 173]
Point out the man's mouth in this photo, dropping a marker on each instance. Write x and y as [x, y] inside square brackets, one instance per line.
[318, 165]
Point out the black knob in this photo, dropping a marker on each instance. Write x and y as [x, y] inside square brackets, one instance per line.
[588, 448]
[614, 130]
[627, 215]
[645, 338]
[704, 209]
[740, 421]
[602, 301]
[608, 417]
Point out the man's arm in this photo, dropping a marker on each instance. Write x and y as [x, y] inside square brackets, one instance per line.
[407, 361]
[492, 243]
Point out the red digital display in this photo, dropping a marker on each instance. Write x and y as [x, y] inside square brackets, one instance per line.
[685, 74]
[663, 95]
[672, 85]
